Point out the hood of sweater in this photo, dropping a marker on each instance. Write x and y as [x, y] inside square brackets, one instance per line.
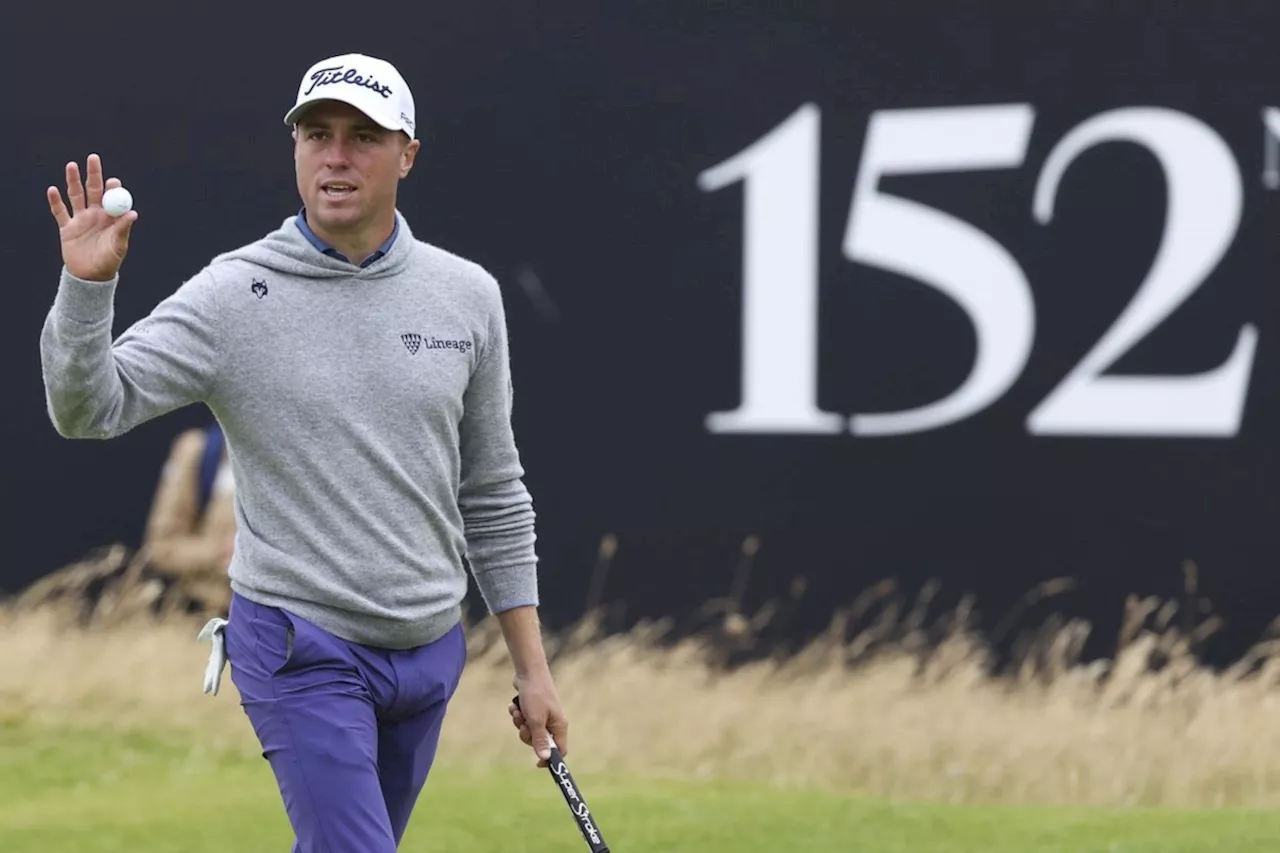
[286, 250]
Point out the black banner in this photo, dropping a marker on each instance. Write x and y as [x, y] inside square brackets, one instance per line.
[985, 296]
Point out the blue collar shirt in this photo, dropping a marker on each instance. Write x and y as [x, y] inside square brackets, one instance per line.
[325, 248]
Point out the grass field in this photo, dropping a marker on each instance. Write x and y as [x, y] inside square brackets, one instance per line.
[107, 744]
[76, 790]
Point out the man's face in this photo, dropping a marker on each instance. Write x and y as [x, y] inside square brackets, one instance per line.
[348, 168]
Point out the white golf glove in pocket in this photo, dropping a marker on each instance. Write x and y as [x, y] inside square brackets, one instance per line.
[213, 633]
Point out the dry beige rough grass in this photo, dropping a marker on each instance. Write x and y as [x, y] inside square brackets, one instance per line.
[882, 713]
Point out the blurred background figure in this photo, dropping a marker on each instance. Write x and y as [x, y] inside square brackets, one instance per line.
[181, 564]
[190, 530]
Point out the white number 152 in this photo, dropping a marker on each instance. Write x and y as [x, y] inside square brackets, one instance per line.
[780, 174]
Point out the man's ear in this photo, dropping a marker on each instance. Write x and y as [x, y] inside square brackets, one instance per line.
[407, 157]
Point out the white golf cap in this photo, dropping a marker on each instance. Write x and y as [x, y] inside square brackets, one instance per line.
[371, 85]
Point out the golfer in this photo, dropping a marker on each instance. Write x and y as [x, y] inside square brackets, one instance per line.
[362, 381]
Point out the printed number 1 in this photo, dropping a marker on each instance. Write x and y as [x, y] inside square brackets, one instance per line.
[780, 173]
[780, 280]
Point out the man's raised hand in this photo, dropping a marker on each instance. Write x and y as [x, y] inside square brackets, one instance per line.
[94, 243]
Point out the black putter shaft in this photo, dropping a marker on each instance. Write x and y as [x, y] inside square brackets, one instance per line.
[573, 797]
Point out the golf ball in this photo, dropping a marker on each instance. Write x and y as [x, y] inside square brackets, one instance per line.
[117, 201]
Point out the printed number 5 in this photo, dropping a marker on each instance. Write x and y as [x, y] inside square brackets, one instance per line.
[942, 251]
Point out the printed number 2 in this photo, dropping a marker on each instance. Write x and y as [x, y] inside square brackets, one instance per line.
[780, 284]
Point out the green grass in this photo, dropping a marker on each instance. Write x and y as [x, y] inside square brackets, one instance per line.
[73, 790]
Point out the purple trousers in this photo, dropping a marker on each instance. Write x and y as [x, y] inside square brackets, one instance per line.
[350, 731]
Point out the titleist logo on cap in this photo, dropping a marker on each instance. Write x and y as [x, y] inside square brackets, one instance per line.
[341, 74]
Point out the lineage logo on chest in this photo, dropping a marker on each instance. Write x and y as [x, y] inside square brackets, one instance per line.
[415, 343]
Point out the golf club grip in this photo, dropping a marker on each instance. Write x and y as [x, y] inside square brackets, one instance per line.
[573, 798]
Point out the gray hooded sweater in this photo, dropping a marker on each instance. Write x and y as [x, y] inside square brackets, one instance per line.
[367, 413]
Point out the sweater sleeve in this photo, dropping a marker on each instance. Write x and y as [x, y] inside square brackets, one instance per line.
[99, 388]
[496, 506]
